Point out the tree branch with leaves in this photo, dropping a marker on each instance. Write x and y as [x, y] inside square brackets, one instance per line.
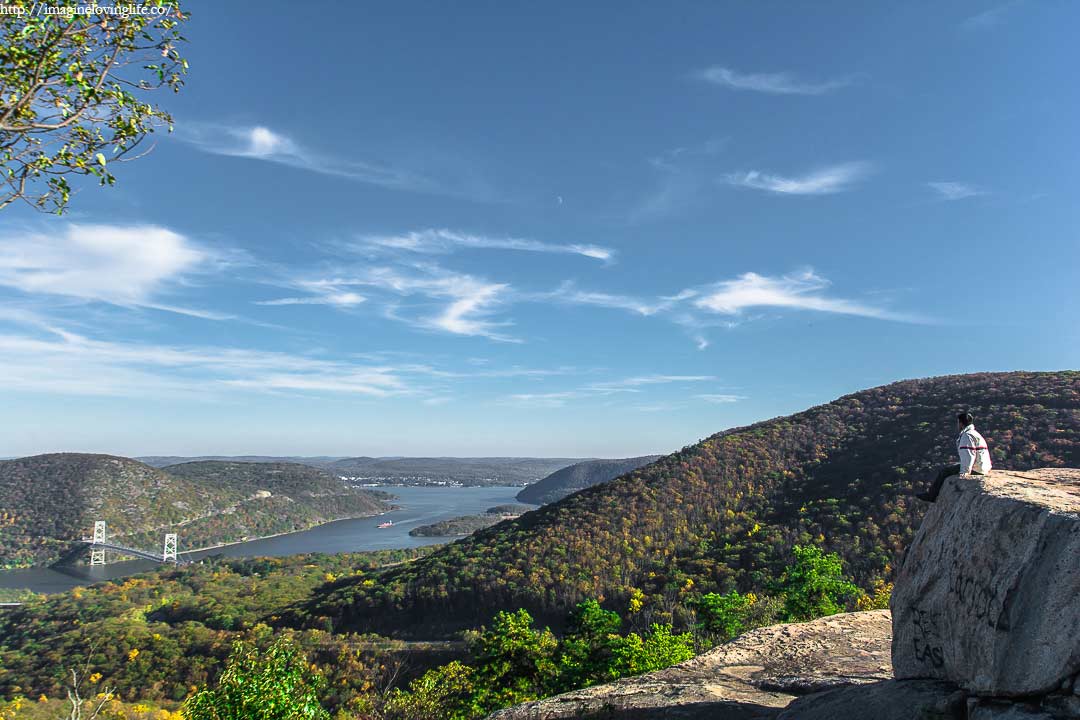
[74, 89]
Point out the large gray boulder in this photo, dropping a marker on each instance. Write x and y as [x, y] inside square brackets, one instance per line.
[988, 596]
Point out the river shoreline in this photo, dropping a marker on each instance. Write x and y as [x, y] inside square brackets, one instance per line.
[218, 546]
[283, 534]
[414, 506]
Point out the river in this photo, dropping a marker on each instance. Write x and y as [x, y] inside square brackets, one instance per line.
[419, 506]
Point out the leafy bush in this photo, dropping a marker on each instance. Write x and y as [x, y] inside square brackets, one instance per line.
[513, 662]
[445, 692]
[725, 615]
[815, 585]
[277, 685]
[586, 652]
[659, 648]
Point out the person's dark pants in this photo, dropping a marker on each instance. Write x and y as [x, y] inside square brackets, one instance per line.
[945, 472]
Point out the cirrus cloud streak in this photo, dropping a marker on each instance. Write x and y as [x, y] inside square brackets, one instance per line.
[824, 181]
[779, 83]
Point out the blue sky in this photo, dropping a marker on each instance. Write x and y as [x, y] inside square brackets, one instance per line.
[598, 229]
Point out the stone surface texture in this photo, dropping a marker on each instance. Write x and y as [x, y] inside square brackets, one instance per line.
[988, 595]
[884, 700]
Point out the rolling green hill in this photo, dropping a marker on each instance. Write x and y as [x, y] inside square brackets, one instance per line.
[724, 513]
[48, 500]
[569, 480]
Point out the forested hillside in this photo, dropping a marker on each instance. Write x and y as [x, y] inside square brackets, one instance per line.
[157, 635]
[569, 480]
[46, 501]
[724, 513]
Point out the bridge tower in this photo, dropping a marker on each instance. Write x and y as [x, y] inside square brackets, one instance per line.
[170, 548]
[97, 553]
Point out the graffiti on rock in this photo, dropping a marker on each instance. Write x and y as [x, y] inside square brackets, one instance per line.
[926, 639]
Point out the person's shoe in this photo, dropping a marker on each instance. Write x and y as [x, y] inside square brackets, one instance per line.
[925, 497]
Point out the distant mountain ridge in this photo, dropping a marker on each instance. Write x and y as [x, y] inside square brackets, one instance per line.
[288, 478]
[579, 476]
[465, 471]
[397, 469]
[161, 461]
[47, 501]
[724, 513]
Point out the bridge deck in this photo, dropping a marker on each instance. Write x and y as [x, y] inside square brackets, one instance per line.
[135, 552]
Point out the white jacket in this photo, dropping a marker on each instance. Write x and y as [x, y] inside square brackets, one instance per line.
[974, 455]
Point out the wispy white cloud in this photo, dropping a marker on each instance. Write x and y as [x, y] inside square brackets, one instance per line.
[950, 190]
[377, 382]
[471, 301]
[342, 299]
[62, 362]
[719, 398]
[544, 400]
[442, 241]
[825, 181]
[466, 304]
[456, 303]
[37, 354]
[498, 373]
[429, 297]
[568, 293]
[988, 18]
[659, 407]
[130, 266]
[800, 291]
[601, 389]
[631, 383]
[781, 83]
[723, 303]
[258, 142]
[321, 292]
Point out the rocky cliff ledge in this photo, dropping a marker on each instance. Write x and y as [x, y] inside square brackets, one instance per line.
[985, 625]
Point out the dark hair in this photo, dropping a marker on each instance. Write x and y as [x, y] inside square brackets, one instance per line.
[965, 418]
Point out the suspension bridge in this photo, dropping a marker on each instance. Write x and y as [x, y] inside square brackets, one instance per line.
[99, 544]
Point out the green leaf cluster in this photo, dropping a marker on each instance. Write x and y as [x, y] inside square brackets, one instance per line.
[814, 585]
[272, 685]
[514, 662]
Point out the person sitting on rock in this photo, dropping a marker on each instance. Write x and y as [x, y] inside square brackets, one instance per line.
[974, 457]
